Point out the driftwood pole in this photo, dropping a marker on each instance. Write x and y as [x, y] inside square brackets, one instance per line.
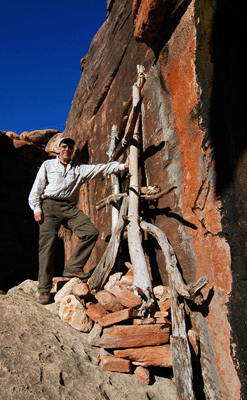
[104, 267]
[114, 177]
[181, 356]
[142, 283]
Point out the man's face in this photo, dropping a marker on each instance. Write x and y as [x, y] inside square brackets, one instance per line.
[65, 152]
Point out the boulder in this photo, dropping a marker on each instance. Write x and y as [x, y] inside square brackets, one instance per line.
[30, 152]
[12, 135]
[72, 311]
[108, 301]
[143, 374]
[28, 286]
[52, 145]
[39, 136]
[81, 290]
[66, 290]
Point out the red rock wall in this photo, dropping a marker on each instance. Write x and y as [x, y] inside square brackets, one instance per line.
[179, 150]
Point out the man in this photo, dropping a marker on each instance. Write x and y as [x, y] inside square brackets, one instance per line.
[53, 199]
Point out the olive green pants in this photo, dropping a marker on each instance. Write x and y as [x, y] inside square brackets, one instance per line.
[58, 212]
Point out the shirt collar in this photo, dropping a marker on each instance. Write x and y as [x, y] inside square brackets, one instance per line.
[59, 162]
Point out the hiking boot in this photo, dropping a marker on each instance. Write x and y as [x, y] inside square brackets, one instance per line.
[81, 275]
[45, 298]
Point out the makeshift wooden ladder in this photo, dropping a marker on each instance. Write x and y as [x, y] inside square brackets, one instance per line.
[128, 134]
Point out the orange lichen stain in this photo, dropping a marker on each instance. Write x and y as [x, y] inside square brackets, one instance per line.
[212, 252]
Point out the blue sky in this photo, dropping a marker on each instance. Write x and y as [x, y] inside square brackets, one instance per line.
[41, 45]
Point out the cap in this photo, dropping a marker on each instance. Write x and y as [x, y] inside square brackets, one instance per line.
[67, 140]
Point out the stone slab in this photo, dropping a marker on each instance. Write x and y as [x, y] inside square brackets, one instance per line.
[128, 299]
[158, 356]
[96, 311]
[122, 336]
[108, 301]
[109, 363]
[118, 316]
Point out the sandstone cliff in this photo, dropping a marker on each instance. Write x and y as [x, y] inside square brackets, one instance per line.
[185, 136]
[192, 125]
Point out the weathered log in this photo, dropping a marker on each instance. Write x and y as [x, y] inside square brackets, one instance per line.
[113, 139]
[104, 267]
[142, 283]
[114, 177]
[124, 118]
[129, 131]
[113, 198]
[181, 356]
[158, 195]
[171, 263]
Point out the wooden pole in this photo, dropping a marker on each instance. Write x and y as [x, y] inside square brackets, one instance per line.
[181, 356]
[142, 285]
[104, 267]
[114, 177]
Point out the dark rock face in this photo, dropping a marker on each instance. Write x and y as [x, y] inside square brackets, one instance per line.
[230, 146]
[19, 232]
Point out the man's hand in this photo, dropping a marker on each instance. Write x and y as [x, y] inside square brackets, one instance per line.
[39, 217]
[126, 164]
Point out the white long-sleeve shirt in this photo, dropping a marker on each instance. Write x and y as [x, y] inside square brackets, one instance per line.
[55, 181]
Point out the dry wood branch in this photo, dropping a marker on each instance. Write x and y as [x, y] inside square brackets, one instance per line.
[122, 127]
[171, 263]
[107, 261]
[194, 288]
[129, 131]
[142, 283]
[158, 195]
[181, 356]
[113, 198]
[114, 178]
[113, 139]
[124, 118]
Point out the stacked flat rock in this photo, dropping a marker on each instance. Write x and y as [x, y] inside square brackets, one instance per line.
[128, 342]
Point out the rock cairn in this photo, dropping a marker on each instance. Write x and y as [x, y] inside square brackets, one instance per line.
[128, 343]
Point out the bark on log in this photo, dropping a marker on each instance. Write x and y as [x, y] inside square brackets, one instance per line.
[158, 195]
[113, 198]
[181, 356]
[142, 283]
[104, 267]
[171, 263]
[129, 131]
[114, 177]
